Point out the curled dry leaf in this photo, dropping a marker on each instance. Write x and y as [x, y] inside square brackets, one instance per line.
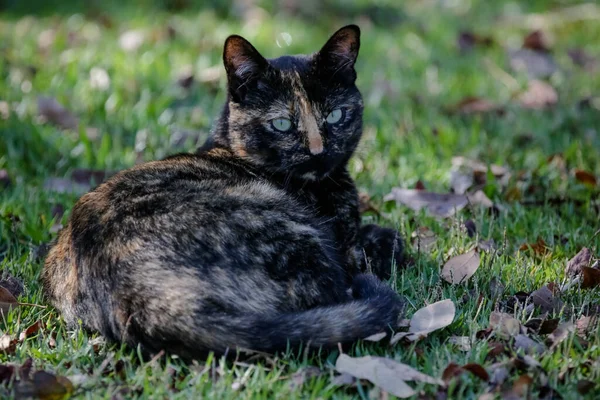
[538, 95]
[586, 177]
[384, 373]
[504, 325]
[30, 331]
[428, 319]
[460, 268]
[454, 370]
[55, 113]
[7, 301]
[470, 227]
[536, 40]
[581, 259]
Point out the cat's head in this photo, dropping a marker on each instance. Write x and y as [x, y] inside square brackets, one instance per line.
[299, 115]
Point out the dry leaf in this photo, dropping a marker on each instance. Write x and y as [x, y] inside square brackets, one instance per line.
[55, 113]
[504, 325]
[586, 324]
[470, 227]
[7, 373]
[428, 319]
[424, 239]
[561, 333]
[442, 205]
[581, 259]
[521, 386]
[460, 268]
[48, 386]
[590, 277]
[586, 177]
[477, 370]
[538, 95]
[12, 284]
[584, 386]
[536, 40]
[496, 288]
[540, 247]
[536, 64]
[376, 337]
[453, 370]
[30, 331]
[7, 344]
[528, 345]
[7, 301]
[385, 373]
[545, 299]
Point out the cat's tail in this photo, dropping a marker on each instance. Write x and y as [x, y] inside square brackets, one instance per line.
[375, 308]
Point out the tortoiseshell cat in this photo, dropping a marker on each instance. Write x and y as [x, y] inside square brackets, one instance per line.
[252, 242]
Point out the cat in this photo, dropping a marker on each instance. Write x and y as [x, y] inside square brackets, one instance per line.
[252, 242]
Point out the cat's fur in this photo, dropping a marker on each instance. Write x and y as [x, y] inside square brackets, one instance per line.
[252, 242]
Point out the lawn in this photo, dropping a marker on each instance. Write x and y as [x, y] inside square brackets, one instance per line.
[140, 80]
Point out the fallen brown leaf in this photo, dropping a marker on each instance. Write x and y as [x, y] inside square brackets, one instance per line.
[477, 370]
[428, 319]
[581, 259]
[521, 386]
[460, 268]
[7, 372]
[7, 301]
[544, 298]
[539, 247]
[48, 386]
[586, 177]
[590, 277]
[470, 227]
[30, 331]
[55, 113]
[504, 325]
[385, 373]
[539, 95]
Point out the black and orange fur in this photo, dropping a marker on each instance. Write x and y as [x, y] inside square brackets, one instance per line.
[254, 241]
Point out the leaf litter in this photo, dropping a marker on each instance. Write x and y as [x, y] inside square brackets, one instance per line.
[426, 320]
[460, 268]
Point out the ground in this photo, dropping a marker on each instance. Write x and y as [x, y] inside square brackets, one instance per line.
[143, 79]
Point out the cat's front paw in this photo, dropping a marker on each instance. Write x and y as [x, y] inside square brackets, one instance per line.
[379, 248]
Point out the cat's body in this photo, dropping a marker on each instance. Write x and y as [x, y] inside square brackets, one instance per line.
[254, 241]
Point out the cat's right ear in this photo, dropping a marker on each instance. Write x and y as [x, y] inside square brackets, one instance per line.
[243, 64]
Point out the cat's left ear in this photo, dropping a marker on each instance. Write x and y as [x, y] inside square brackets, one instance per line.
[243, 63]
[339, 54]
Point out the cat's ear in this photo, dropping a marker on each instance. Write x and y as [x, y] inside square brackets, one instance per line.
[243, 64]
[339, 54]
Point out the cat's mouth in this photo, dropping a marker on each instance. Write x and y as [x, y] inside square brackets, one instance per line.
[317, 167]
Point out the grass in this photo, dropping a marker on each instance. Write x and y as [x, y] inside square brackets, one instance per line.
[410, 71]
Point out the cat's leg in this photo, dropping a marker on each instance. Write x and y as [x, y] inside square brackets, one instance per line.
[378, 249]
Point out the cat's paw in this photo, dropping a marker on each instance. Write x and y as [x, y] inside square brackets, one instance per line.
[379, 248]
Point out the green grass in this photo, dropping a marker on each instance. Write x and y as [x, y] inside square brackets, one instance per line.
[410, 71]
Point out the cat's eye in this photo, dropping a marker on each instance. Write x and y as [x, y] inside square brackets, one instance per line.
[281, 124]
[335, 116]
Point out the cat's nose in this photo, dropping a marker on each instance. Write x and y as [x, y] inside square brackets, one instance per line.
[315, 143]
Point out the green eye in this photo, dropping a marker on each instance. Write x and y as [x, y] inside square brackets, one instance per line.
[282, 124]
[335, 116]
